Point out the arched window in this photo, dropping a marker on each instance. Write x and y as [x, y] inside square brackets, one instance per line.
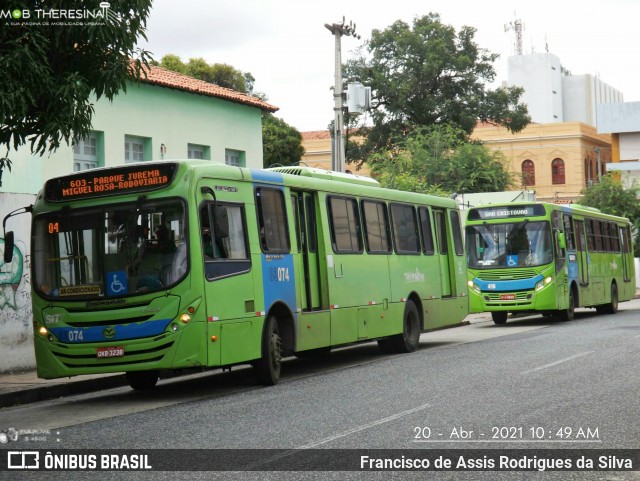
[557, 171]
[528, 173]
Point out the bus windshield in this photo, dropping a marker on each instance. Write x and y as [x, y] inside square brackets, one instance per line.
[114, 251]
[514, 244]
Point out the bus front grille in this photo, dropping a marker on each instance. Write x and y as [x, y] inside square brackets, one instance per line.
[133, 354]
[504, 275]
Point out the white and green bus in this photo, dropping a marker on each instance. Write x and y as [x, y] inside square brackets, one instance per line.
[547, 258]
[192, 264]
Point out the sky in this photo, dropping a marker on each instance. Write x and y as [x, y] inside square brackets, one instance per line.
[286, 47]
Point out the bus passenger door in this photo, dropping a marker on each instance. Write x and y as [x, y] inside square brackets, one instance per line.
[304, 208]
[581, 251]
[442, 251]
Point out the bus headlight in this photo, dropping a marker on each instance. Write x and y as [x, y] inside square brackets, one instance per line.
[472, 285]
[185, 318]
[544, 282]
[43, 331]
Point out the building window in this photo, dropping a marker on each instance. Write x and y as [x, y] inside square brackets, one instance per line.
[195, 151]
[87, 152]
[136, 149]
[234, 157]
[557, 171]
[528, 173]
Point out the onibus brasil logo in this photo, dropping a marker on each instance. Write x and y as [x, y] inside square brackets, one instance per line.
[102, 14]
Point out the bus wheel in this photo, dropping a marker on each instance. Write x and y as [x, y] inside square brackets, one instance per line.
[499, 317]
[568, 313]
[409, 340]
[269, 365]
[612, 307]
[142, 380]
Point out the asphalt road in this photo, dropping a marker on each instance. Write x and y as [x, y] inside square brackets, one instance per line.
[530, 384]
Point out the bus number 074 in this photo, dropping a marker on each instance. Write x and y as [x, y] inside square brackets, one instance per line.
[279, 274]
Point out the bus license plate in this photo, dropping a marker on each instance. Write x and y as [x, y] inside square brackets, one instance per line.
[507, 297]
[112, 351]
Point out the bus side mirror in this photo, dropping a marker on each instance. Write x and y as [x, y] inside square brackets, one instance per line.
[221, 219]
[562, 241]
[8, 247]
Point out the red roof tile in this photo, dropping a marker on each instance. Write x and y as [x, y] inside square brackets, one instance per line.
[316, 134]
[168, 78]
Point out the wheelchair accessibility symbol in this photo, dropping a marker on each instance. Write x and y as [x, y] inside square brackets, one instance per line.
[117, 283]
[512, 261]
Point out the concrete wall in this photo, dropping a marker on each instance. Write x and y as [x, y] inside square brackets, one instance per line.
[16, 333]
[540, 76]
[581, 94]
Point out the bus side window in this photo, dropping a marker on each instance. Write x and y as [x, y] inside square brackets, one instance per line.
[425, 227]
[457, 232]
[272, 220]
[568, 232]
[224, 240]
[345, 225]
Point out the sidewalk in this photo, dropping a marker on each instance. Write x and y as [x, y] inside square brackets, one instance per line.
[26, 387]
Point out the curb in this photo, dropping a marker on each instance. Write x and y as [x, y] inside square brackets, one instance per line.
[43, 393]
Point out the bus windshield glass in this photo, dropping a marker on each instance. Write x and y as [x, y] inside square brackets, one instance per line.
[515, 244]
[114, 251]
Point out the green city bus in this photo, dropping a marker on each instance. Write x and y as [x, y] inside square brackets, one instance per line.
[172, 265]
[547, 258]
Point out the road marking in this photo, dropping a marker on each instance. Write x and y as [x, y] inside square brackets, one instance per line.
[539, 368]
[289, 452]
[364, 426]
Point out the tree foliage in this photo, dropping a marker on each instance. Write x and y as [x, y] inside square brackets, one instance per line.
[427, 74]
[50, 74]
[439, 160]
[281, 143]
[611, 197]
[220, 74]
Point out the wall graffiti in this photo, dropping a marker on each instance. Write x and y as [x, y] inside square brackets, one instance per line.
[16, 313]
[10, 277]
[15, 310]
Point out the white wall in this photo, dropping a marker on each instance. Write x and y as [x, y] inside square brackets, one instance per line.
[16, 333]
[540, 76]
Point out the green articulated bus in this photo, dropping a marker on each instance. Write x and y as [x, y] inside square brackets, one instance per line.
[547, 258]
[173, 265]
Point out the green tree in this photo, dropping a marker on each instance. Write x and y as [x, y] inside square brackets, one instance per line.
[611, 197]
[427, 74]
[439, 160]
[50, 75]
[220, 74]
[281, 143]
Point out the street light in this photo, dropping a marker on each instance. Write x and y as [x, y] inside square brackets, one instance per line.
[338, 30]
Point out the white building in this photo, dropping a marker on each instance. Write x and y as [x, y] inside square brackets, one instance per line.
[622, 121]
[553, 97]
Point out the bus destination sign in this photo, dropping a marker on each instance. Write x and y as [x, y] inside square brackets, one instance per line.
[105, 182]
[506, 212]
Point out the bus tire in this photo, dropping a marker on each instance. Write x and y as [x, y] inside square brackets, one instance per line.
[142, 380]
[568, 313]
[409, 340]
[268, 367]
[499, 317]
[611, 307]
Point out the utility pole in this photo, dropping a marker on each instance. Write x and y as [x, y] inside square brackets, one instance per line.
[338, 30]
